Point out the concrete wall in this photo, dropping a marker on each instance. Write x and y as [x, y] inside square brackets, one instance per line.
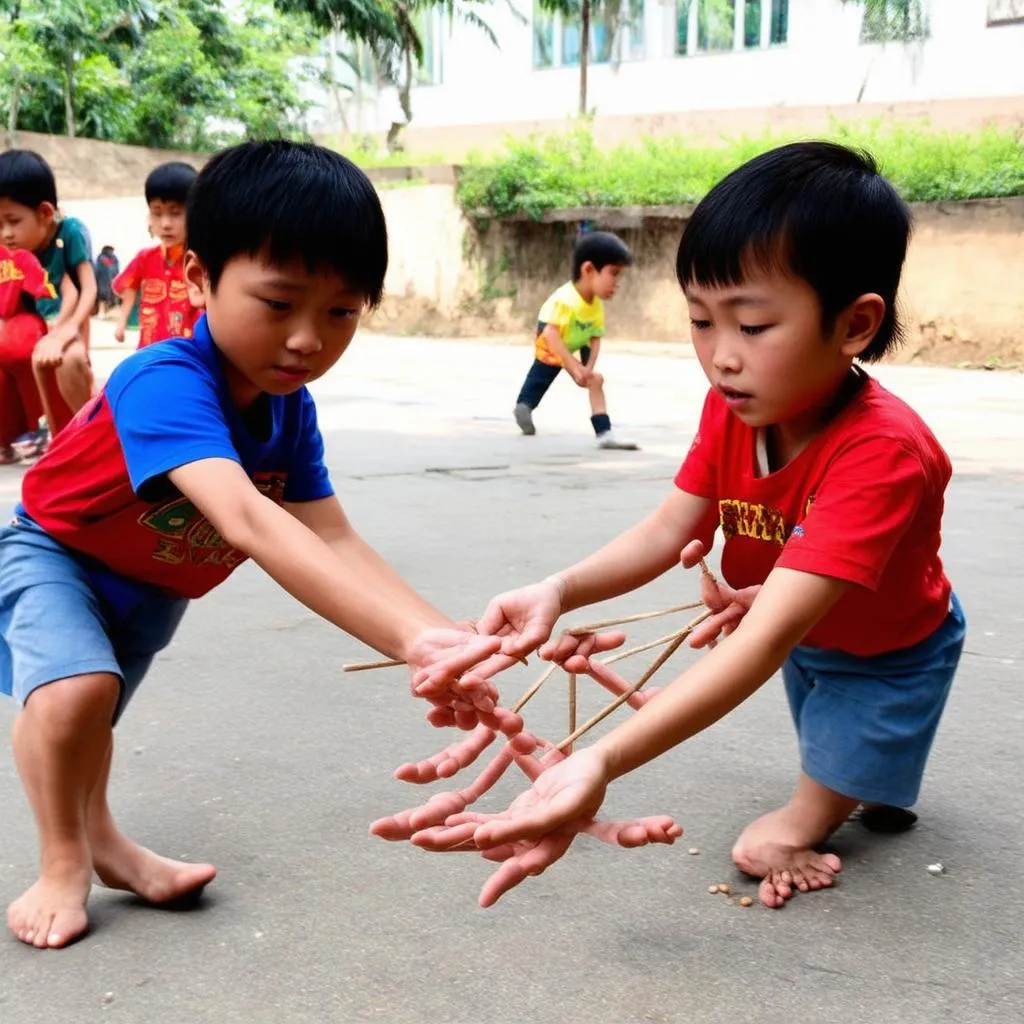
[822, 63]
[963, 300]
[88, 169]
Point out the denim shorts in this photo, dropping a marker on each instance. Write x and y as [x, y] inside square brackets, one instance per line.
[866, 725]
[62, 617]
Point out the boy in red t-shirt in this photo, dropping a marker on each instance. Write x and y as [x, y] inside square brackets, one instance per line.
[829, 494]
[156, 275]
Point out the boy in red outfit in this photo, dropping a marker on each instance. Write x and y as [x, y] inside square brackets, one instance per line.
[156, 275]
[22, 280]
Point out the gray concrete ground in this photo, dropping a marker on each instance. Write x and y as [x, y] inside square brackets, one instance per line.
[248, 747]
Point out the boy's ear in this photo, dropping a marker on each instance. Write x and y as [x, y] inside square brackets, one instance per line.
[46, 212]
[859, 323]
[587, 267]
[197, 280]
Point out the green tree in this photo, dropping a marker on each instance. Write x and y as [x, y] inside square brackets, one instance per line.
[615, 15]
[169, 73]
[25, 64]
[889, 21]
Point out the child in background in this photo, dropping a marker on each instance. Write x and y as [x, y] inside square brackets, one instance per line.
[569, 332]
[107, 268]
[22, 281]
[29, 220]
[156, 274]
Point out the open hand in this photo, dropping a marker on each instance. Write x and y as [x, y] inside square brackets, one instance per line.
[523, 618]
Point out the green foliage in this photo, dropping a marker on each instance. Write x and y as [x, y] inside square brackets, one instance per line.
[570, 170]
[889, 21]
[190, 74]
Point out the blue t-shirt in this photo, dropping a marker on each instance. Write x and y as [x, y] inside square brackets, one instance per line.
[102, 488]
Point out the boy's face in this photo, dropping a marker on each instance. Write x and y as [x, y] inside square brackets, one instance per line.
[601, 283]
[278, 326]
[25, 227]
[167, 221]
[762, 346]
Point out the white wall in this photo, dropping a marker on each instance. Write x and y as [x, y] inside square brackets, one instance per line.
[823, 62]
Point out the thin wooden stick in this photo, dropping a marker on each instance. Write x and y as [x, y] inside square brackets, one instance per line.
[623, 697]
[592, 627]
[667, 638]
[572, 707]
[521, 703]
[365, 666]
[707, 572]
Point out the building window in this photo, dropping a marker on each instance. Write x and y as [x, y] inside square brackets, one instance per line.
[430, 71]
[718, 26]
[616, 33]
[1005, 12]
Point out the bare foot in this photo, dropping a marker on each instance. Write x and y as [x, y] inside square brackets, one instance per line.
[123, 864]
[51, 913]
[775, 849]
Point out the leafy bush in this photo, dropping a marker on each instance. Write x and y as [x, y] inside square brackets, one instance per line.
[536, 175]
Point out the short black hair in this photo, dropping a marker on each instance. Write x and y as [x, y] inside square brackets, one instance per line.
[289, 200]
[26, 178]
[170, 182]
[601, 248]
[818, 210]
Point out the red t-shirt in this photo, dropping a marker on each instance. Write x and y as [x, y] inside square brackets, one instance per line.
[863, 502]
[164, 308]
[21, 273]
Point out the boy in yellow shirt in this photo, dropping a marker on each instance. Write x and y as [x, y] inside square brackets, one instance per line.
[569, 331]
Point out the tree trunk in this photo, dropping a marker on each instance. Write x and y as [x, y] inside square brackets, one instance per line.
[69, 88]
[394, 141]
[12, 114]
[584, 53]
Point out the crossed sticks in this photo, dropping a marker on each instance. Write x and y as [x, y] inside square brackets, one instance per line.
[442, 823]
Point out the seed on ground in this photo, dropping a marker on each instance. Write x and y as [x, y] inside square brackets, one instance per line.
[745, 901]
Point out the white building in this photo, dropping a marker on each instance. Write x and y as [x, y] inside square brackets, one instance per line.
[691, 55]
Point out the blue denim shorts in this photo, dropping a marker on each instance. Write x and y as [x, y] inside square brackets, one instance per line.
[866, 725]
[62, 617]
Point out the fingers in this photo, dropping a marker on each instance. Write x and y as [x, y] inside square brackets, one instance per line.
[710, 629]
[443, 765]
[526, 825]
[442, 838]
[573, 652]
[692, 554]
[405, 824]
[638, 832]
[533, 861]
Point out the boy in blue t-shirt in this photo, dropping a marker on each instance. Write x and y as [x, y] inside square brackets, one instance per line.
[197, 454]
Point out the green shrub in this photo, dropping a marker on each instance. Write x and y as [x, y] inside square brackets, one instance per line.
[568, 170]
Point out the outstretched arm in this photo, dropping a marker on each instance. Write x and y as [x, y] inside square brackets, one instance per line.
[341, 578]
[524, 618]
[789, 604]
